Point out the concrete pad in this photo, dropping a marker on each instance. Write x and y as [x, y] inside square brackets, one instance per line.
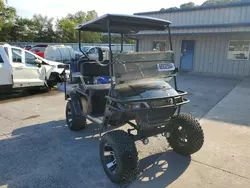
[204, 92]
[174, 171]
[227, 133]
[224, 160]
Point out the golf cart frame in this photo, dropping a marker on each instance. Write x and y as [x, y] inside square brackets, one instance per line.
[138, 90]
[111, 24]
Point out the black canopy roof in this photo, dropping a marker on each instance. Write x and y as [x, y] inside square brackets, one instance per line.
[123, 24]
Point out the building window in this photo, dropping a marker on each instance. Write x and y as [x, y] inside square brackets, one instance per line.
[238, 50]
[159, 45]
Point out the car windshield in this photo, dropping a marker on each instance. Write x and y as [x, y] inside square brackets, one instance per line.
[141, 65]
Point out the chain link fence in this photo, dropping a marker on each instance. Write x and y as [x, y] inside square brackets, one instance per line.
[115, 47]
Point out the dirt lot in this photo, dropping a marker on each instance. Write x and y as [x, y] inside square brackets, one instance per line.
[38, 150]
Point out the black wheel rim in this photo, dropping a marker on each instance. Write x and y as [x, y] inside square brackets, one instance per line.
[109, 158]
[69, 116]
[181, 136]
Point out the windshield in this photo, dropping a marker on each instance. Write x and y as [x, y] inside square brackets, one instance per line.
[141, 65]
[85, 48]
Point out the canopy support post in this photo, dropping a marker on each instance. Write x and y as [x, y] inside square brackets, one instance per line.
[110, 51]
[170, 39]
[121, 42]
[79, 40]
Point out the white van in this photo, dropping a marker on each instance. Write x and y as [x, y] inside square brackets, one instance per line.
[20, 68]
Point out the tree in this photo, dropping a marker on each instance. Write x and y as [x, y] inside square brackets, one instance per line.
[219, 2]
[23, 30]
[8, 15]
[67, 33]
[43, 28]
[187, 5]
[171, 8]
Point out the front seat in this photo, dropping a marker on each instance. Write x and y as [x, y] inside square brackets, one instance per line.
[96, 92]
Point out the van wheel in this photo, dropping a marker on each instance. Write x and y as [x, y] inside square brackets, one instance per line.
[74, 122]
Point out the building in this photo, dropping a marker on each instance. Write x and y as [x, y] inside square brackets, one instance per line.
[212, 39]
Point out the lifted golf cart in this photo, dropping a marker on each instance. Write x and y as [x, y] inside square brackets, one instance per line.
[139, 94]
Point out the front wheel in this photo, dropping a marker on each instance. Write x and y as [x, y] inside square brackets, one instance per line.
[187, 136]
[119, 156]
[74, 122]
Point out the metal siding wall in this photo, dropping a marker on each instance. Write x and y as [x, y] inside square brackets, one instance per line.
[210, 54]
[200, 50]
[244, 11]
[209, 16]
[221, 54]
[216, 42]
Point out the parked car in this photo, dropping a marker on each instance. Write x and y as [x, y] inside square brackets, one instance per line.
[20, 68]
[39, 49]
[94, 52]
[28, 47]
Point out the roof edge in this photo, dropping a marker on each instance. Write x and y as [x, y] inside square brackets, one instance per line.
[238, 4]
[210, 25]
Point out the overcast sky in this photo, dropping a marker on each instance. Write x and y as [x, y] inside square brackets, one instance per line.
[59, 8]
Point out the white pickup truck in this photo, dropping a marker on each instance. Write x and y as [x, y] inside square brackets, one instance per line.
[20, 68]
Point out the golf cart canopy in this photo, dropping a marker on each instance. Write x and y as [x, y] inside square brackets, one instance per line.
[123, 24]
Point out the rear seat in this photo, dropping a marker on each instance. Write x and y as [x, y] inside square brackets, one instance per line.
[97, 92]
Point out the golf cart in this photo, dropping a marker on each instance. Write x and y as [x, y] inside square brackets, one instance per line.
[139, 94]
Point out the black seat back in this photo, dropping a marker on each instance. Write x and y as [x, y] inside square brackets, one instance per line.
[93, 68]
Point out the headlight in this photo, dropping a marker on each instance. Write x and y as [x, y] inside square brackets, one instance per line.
[164, 102]
[138, 105]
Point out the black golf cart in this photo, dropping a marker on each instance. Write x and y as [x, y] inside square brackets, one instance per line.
[139, 94]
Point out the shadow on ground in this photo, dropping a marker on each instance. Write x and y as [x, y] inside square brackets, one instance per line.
[49, 155]
[161, 173]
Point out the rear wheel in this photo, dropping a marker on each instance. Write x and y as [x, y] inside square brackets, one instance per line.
[119, 156]
[187, 135]
[74, 122]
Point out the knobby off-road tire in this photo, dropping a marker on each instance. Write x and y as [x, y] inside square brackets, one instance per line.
[118, 148]
[74, 122]
[187, 136]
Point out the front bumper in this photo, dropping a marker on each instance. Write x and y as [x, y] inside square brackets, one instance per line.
[175, 101]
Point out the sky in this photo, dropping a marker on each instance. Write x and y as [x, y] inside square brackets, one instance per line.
[60, 8]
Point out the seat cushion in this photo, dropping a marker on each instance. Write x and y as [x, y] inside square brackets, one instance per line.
[97, 94]
[98, 87]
